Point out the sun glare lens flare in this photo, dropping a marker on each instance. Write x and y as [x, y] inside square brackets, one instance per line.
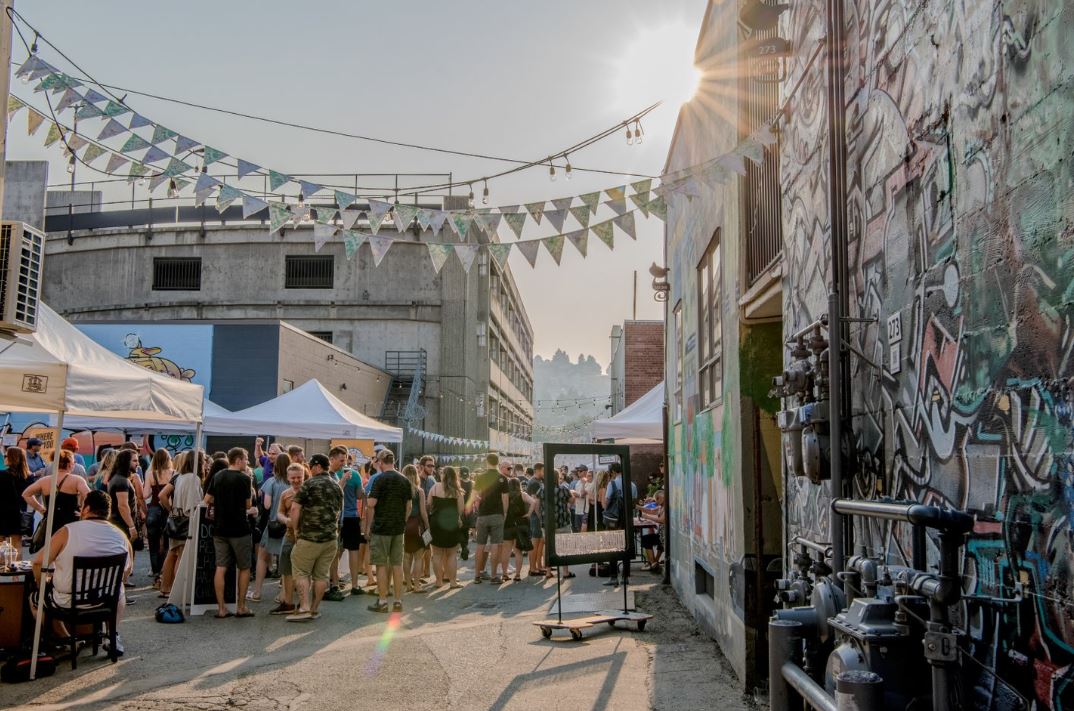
[658, 64]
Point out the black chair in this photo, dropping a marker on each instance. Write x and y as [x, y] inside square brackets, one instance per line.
[95, 583]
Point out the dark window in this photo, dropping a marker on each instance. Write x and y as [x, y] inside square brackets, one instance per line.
[709, 324]
[325, 336]
[309, 271]
[704, 582]
[176, 273]
[760, 186]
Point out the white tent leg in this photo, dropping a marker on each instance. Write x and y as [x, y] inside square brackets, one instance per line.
[192, 541]
[47, 523]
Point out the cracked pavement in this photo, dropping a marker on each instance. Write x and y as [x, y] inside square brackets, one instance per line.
[473, 648]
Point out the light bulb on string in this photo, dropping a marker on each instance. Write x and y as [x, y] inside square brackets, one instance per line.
[33, 46]
[638, 132]
[71, 164]
[141, 180]
[485, 194]
[629, 136]
[551, 172]
[567, 170]
[470, 197]
[173, 189]
[301, 200]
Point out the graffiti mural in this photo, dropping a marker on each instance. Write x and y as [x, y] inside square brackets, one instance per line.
[961, 216]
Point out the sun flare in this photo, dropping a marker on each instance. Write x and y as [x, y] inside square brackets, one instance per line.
[657, 64]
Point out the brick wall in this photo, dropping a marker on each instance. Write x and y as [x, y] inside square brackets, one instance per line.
[644, 357]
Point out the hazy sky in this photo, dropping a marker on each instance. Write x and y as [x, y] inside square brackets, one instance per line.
[521, 80]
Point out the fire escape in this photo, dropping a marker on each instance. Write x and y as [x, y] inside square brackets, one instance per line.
[402, 402]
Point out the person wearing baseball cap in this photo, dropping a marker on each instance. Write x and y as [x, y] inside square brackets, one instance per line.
[34, 460]
[71, 445]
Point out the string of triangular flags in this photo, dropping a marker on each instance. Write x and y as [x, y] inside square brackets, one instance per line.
[453, 441]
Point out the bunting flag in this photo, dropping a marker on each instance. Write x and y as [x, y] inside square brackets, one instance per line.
[580, 240]
[31, 63]
[616, 193]
[558, 217]
[375, 221]
[641, 204]
[211, 155]
[618, 204]
[252, 206]
[92, 153]
[277, 180]
[591, 200]
[156, 181]
[529, 250]
[490, 222]
[466, 254]
[752, 151]
[309, 188]
[562, 203]
[379, 208]
[113, 109]
[438, 254]
[184, 144]
[278, 216]
[88, 111]
[137, 171]
[460, 222]
[95, 97]
[764, 135]
[115, 162]
[500, 252]
[325, 214]
[153, 155]
[380, 247]
[321, 235]
[437, 220]
[246, 167]
[349, 218]
[161, 134]
[112, 128]
[343, 200]
[581, 213]
[425, 218]
[75, 142]
[604, 231]
[659, 207]
[554, 245]
[352, 242]
[177, 167]
[300, 213]
[625, 222]
[33, 122]
[536, 210]
[205, 183]
[515, 220]
[403, 216]
[138, 121]
[54, 134]
[134, 143]
[733, 162]
[227, 195]
[642, 188]
[70, 98]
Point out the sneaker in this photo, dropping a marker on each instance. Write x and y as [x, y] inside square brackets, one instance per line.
[119, 645]
[478, 580]
[282, 609]
[300, 616]
[315, 615]
[397, 606]
[335, 595]
[378, 606]
[357, 591]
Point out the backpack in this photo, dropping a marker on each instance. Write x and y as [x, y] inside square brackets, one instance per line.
[169, 614]
[613, 512]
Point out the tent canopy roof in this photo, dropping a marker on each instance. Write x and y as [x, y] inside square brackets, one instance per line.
[640, 423]
[60, 368]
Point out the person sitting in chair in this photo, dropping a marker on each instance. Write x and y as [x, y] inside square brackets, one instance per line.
[92, 535]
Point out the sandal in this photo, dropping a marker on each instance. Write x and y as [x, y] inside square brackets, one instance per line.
[224, 616]
[568, 576]
[517, 579]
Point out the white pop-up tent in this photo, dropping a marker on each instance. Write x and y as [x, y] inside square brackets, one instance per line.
[308, 411]
[212, 416]
[59, 370]
[640, 423]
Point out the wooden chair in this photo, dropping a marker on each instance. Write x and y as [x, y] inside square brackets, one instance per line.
[96, 582]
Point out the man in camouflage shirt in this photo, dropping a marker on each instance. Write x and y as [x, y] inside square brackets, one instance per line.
[316, 510]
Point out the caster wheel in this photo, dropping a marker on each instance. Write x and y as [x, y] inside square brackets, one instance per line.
[641, 625]
[576, 635]
[546, 632]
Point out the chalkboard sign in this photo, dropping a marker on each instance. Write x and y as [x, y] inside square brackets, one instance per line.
[205, 567]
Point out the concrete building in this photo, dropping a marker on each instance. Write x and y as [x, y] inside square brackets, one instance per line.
[458, 345]
[926, 183]
[635, 368]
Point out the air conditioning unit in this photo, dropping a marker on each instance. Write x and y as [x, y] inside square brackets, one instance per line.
[22, 254]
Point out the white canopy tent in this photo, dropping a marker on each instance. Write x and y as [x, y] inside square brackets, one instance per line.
[308, 411]
[640, 423]
[212, 416]
[60, 370]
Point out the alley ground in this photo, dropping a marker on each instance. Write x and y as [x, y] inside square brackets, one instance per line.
[470, 649]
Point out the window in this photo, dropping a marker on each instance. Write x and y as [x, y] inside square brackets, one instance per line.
[325, 336]
[704, 581]
[309, 271]
[176, 273]
[678, 361]
[709, 325]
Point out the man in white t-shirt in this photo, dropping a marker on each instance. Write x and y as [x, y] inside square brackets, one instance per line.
[581, 504]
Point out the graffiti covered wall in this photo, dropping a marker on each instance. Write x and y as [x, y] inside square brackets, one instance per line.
[960, 137]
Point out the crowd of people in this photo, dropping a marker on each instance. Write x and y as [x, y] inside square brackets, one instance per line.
[281, 514]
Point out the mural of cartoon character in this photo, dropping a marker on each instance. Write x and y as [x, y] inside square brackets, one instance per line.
[148, 357]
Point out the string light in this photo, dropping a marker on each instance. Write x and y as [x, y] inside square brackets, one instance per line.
[470, 197]
[173, 189]
[485, 194]
[301, 200]
[71, 164]
[551, 172]
[629, 136]
[567, 171]
[638, 132]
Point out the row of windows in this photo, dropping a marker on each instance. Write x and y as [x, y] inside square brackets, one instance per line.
[709, 331]
[514, 372]
[301, 271]
[504, 419]
[501, 296]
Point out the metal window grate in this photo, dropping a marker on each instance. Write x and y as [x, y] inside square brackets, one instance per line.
[309, 271]
[763, 201]
[325, 336]
[176, 273]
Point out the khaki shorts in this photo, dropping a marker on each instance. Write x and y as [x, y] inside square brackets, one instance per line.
[386, 550]
[236, 551]
[313, 560]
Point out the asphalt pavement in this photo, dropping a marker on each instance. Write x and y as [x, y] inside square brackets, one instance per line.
[469, 649]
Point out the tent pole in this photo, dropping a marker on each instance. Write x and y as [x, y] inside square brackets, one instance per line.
[47, 523]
